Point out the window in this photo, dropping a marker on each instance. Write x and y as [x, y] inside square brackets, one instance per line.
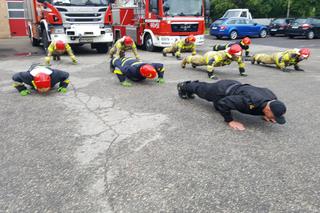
[153, 6]
[232, 22]
[15, 10]
[241, 21]
[244, 14]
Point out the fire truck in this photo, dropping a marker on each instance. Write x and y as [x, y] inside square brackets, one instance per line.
[159, 23]
[76, 22]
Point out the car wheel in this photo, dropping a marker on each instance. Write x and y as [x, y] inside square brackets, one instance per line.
[263, 33]
[149, 43]
[310, 35]
[233, 35]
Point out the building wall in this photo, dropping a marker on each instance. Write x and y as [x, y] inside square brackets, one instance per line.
[4, 22]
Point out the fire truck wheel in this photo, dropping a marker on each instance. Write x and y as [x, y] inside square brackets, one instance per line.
[149, 43]
[34, 42]
[45, 41]
[102, 48]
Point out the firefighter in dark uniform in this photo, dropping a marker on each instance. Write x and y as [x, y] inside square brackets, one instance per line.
[228, 95]
[135, 70]
[244, 44]
[40, 78]
[283, 59]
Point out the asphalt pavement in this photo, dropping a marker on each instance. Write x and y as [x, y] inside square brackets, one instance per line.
[105, 148]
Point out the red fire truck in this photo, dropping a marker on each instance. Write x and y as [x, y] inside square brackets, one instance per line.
[74, 21]
[159, 23]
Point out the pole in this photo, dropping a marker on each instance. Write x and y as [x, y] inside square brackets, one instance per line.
[288, 8]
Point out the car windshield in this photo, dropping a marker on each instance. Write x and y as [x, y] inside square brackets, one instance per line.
[182, 7]
[300, 21]
[231, 14]
[279, 21]
[80, 2]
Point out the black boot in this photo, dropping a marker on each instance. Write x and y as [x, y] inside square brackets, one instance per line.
[182, 90]
[297, 68]
[58, 58]
[211, 75]
[164, 54]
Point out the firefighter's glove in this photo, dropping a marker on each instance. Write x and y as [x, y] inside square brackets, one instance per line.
[47, 60]
[74, 60]
[25, 92]
[160, 81]
[178, 56]
[126, 84]
[62, 90]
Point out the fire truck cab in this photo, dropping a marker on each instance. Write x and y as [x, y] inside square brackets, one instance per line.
[159, 23]
[76, 22]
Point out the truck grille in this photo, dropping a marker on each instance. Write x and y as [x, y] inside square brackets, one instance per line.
[184, 27]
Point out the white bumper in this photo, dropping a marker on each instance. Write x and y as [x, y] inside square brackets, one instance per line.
[84, 34]
[166, 41]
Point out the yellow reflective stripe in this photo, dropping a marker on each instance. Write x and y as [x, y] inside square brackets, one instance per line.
[67, 81]
[137, 63]
[125, 60]
[163, 69]
[114, 60]
[17, 84]
[34, 84]
[117, 71]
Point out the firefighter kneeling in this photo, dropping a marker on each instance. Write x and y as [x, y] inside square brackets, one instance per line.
[183, 45]
[283, 59]
[58, 48]
[41, 79]
[121, 46]
[217, 59]
[136, 70]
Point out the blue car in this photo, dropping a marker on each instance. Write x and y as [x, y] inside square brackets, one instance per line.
[234, 28]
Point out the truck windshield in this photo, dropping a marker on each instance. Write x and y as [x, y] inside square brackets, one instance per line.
[182, 7]
[80, 2]
[231, 14]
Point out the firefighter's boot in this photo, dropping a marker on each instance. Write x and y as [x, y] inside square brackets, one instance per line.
[184, 63]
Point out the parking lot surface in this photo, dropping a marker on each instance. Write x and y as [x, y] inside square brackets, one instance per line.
[105, 148]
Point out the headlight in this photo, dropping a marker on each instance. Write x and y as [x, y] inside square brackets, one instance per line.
[108, 30]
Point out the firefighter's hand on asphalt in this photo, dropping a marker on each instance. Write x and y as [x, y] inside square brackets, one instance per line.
[74, 60]
[236, 125]
[268, 120]
[126, 84]
[160, 81]
[47, 60]
[62, 90]
[25, 92]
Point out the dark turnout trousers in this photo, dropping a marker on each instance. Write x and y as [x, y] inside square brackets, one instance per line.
[211, 91]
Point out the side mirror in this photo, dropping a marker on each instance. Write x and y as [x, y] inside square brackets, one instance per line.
[207, 8]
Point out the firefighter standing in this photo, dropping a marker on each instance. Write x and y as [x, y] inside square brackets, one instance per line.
[244, 44]
[228, 95]
[283, 59]
[217, 59]
[56, 49]
[136, 70]
[40, 78]
[183, 45]
[121, 46]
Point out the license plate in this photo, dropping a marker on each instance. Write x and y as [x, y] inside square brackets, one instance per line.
[214, 28]
[88, 40]
[295, 27]
[273, 29]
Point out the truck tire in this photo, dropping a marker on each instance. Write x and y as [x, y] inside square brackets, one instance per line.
[233, 35]
[45, 41]
[102, 48]
[34, 42]
[148, 43]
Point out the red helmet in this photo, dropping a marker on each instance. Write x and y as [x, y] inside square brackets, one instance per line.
[235, 50]
[60, 45]
[190, 39]
[148, 71]
[246, 41]
[128, 41]
[305, 52]
[42, 82]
